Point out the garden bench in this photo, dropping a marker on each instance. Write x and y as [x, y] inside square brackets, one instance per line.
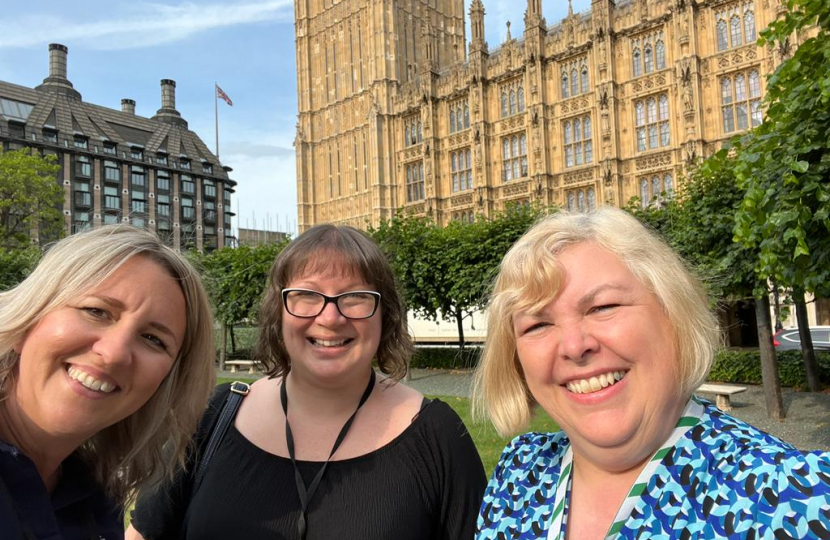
[236, 364]
[723, 393]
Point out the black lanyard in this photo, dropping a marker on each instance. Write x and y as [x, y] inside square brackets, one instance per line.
[307, 494]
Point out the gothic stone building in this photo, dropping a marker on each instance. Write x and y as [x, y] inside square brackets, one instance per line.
[397, 110]
[119, 167]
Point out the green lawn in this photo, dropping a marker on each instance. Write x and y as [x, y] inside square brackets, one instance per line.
[488, 442]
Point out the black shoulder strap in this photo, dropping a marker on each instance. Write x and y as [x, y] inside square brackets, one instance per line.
[224, 419]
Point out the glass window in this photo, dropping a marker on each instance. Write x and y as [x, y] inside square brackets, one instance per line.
[723, 42]
[110, 148]
[210, 189]
[83, 166]
[504, 110]
[584, 79]
[749, 26]
[661, 55]
[564, 85]
[644, 198]
[574, 82]
[592, 199]
[50, 136]
[137, 176]
[649, 59]
[668, 185]
[735, 28]
[162, 181]
[137, 153]
[637, 67]
[184, 164]
[110, 219]
[571, 201]
[520, 96]
[161, 159]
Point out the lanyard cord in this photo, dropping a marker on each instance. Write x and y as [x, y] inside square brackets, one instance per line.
[306, 494]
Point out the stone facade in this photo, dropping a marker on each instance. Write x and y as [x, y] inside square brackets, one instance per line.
[119, 167]
[397, 110]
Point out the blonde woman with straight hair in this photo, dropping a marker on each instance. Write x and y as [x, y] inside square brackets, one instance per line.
[597, 321]
[106, 365]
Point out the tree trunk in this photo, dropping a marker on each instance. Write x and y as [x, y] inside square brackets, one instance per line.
[233, 340]
[807, 351]
[459, 321]
[769, 363]
[223, 351]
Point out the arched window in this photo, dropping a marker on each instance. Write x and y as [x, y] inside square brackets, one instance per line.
[571, 201]
[660, 49]
[420, 131]
[668, 185]
[574, 82]
[466, 116]
[723, 42]
[452, 120]
[568, 133]
[592, 199]
[754, 84]
[564, 85]
[649, 58]
[586, 128]
[406, 138]
[735, 30]
[504, 110]
[644, 198]
[655, 186]
[521, 98]
[665, 136]
[636, 66]
[749, 26]
[640, 120]
[586, 136]
[580, 198]
[512, 101]
[584, 82]
[578, 141]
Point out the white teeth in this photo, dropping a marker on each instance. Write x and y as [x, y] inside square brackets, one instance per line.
[594, 384]
[88, 381]
[325, 343]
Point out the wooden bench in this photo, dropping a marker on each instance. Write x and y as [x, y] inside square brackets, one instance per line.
[236, 364]
[723, 393]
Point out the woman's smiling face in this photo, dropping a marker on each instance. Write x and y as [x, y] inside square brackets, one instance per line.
[90, 364]
[600, 357]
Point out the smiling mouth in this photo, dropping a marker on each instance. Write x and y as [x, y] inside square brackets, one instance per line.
[329, 343]
[90, 382]
[595, 384]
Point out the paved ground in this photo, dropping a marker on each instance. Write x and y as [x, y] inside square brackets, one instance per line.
[807, 423]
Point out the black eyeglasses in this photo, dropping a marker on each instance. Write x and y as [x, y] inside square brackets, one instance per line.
[305, 303]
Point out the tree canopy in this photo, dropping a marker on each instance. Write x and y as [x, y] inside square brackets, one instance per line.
[30, 196]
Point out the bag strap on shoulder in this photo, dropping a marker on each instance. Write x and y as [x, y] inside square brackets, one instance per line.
[238, 391]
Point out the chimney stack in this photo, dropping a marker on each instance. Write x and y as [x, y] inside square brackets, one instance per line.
[57, 82]
[168, 112]
[128, 106]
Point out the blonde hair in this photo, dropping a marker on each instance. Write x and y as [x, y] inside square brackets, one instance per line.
[529, 278]
[146, 446]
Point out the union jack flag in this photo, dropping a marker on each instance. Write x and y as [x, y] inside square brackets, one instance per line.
[221, 93]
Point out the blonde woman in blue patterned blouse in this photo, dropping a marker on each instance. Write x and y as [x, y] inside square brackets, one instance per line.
[599, 322]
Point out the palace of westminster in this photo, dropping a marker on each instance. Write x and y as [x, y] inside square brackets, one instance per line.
[398, 110]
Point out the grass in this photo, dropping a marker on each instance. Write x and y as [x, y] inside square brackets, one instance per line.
[489, 443]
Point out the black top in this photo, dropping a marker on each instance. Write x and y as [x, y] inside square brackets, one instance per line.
[425, 484]
[76, 510]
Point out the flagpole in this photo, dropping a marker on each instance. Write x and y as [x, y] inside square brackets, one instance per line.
[216, 116]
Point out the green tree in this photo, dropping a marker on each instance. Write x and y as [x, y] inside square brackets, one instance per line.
[235, 279]
[30, 196]
[16, 264]
[783, 166]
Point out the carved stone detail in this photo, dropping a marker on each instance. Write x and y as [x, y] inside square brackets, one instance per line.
[656, 160]
[579, 177]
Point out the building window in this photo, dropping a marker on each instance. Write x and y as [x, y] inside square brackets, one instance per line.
[415, 182]
[465, 216]
[735, 25]
[226, 197]
[512, 98]
[110, 148]
[741, 101]
[565, 88]
[82, 222]
[137, 153]
[138, 176]
[163, 225]
[161, 159]
[112, 200]
[210, 188]
[459, 116]
[83, 166]
[137, 222]
[209, 211]
[112, 173]
[575, 79]
[413, 131]
[163, 205]
[184, 163]
[81, 141]
[110, 219]
[188, 186]
[207, 168]
[648, 54]
[50, 136]
[462, 170]
[82, 195]
[651, 117]
[582, 200]
[138, 202]
[578, 142]
[162, 181]
[188, 212]
[514, 157]
[656, 188]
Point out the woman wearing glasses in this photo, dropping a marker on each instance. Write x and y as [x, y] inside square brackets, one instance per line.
[323, 448]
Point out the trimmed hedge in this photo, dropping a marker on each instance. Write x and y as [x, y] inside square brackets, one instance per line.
[730, 366]
[739, 366]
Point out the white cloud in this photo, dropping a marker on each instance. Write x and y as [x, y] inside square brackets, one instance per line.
[147, 24]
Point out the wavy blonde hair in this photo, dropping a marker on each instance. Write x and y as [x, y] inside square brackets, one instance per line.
[148, 445]
[530, 276]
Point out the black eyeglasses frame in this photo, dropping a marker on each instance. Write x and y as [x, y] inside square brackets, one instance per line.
[330, 299]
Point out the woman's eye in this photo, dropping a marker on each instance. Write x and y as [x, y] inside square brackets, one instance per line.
[155, 341]
[94, 312]
[603, 307]
[536, 326]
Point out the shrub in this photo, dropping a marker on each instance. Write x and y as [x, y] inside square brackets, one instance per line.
[445, 358]
[744, 367]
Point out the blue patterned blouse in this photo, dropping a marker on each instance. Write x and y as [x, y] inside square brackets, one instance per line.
[723, 480]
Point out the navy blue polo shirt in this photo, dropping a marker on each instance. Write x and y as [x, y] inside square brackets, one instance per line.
[76, 510]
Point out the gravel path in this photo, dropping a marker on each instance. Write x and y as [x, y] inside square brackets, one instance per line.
[807, 423]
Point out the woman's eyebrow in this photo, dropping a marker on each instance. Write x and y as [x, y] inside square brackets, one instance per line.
[591, 295]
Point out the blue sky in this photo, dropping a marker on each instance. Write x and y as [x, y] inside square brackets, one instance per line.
[122, 49]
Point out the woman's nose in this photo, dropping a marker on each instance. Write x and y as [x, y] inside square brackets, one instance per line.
[114, 345]
[577, 342]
